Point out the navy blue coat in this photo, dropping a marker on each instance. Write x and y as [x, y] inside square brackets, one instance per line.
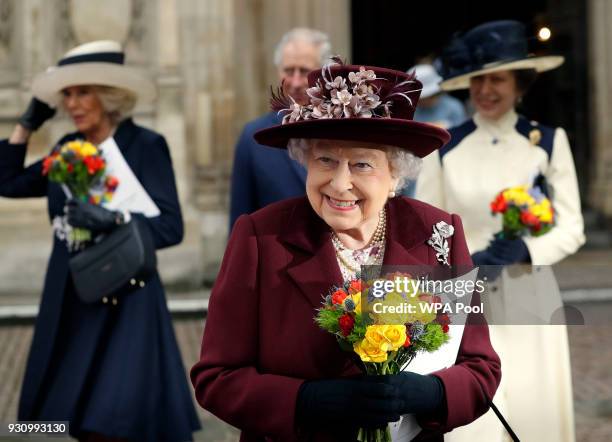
[114, 370]
[262, 175]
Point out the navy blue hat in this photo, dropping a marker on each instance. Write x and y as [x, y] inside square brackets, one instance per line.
[489, 47]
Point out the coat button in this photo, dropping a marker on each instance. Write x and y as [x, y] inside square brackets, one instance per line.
[115, 301]
[132, 281]
[141, 283]
[105, 300]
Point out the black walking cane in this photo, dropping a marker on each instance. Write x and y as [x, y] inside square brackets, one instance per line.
[504, 422]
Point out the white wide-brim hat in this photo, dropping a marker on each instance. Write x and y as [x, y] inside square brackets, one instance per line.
[97, 63]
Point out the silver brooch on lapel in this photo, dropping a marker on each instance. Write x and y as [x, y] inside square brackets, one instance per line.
[441, 231]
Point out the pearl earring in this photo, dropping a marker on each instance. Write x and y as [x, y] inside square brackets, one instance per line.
[392, 194]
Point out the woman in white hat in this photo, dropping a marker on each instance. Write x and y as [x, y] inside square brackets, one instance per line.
[113, 370]
[495, 150]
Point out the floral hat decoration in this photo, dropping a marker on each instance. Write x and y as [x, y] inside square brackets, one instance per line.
[355, 103]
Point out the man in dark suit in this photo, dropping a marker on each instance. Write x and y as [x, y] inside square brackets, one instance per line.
[261, 175]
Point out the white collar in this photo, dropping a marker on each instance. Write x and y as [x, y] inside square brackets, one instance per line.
[497, 128]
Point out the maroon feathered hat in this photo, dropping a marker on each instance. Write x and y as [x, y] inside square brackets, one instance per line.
[355, 103]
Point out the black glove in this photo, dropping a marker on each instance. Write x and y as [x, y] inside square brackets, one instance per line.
[91, 217]
[509, 251]
[36, 114]
[361, 402]
[419, 393]
[484, 257]
[489, 266]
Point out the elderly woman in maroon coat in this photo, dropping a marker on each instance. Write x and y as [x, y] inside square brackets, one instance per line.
[266, 367]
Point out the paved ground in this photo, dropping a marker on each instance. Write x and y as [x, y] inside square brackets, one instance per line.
[591, 353]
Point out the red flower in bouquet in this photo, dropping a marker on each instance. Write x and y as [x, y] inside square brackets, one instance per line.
[407, 342]
[530, 219]
[339, 296]
[354, 286]
[111, 183]
[48, 162]
[499, 204]
[346, 323]
[94, 164]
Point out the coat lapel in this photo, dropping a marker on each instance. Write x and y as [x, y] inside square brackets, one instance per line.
[313, 267]
[407, 235]
[125, 134]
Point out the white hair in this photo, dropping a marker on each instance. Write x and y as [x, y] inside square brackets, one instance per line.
[118, 103]
[318, 39]
[404, 165]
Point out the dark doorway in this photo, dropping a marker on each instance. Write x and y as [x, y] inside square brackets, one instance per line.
[398, 34]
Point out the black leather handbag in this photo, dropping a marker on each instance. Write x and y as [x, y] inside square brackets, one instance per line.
[125, 255]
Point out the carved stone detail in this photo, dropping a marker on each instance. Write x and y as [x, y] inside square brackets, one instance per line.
[6, 28]
[63, 28]
[139, 40]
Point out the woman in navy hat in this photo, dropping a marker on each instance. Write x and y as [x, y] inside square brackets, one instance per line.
[497, 149]
[265, 366]
[111, 369]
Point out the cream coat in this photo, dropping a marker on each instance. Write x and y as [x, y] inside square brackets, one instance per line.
[535, 394]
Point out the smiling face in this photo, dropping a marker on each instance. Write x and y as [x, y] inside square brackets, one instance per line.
[348, 184]
[494, 94]
[85, 108]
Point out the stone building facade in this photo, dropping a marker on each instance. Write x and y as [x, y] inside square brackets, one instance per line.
[212, 63]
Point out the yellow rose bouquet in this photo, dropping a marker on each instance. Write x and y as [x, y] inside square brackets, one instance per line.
[385, 343]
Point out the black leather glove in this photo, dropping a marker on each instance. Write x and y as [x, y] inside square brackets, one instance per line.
[91, 217]
[509, 251]
[361, 402]
[36, 114]
[484, 257]
[489, 265]
[419, 393]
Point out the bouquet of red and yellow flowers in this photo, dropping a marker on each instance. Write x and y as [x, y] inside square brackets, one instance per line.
[385, 342]
[525, 211]
[80, 168]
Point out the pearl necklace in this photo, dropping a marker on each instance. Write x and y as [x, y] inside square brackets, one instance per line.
[351, 260]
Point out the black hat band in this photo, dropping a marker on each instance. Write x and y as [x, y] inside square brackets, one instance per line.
[103, 57]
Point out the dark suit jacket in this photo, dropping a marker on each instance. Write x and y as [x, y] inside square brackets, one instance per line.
[262, 175]
[260, 342]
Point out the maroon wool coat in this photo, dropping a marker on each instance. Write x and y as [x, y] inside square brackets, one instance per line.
[260, 341]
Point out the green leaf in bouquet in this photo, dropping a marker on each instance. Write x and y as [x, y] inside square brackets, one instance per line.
[432, 339]
[359, 329]
[512, 225]
[327, 319]
[545, 229]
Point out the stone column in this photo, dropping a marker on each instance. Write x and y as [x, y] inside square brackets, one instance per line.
[600, 45]
[260, 25]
